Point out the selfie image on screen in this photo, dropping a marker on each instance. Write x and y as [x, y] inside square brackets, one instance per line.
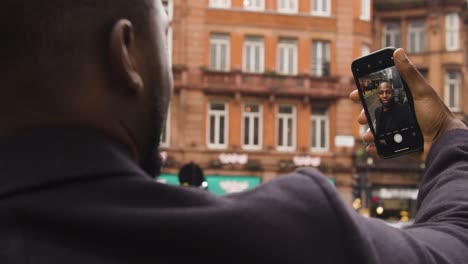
[387, 103]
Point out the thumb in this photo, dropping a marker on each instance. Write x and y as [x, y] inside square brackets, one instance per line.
[416, 82]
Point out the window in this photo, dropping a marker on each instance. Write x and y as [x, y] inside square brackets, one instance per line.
[288, 6]
[169, 44]
[320, 58]
[452, 90]
[391, 35]
[166, 133]
[254, 4]
[416, 37]
[219, 52]
[286, 121]
[365, 49]
[220, 3]
[253, 54]
[320, 130]
[169, 7]
[287, 56]
[217, 125]
[252, 126]
[321, 7]
[452, 31]
[365, 10]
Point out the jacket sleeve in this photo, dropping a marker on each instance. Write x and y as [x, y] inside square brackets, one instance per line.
[441, 224]
[303, 217]
[440, 231]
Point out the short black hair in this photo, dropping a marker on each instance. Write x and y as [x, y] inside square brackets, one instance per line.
[386, 81]
[51, 35]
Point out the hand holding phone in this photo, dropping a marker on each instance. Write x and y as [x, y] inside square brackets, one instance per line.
[388, 104]
[434, 117]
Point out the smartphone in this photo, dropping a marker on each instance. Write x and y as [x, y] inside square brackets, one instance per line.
[388, 104]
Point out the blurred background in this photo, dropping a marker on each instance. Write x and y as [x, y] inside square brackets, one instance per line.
[261, 87]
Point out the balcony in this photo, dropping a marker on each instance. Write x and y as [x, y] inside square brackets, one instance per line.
[305, 85]
[400, 4]
[397, 4]
[269, 19]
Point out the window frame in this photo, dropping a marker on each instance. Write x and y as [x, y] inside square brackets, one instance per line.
[223, 39]
[395, 34]
[170, 8]
[251, 117]
[365, 49]
[169, 39]
[289, 10]
[457, 89]
[260, 7]
[286, 44]
[220, 4]
[452, 30]
[318, 118]
[217, 114]
[365, 10]
[285, 117]
[319, 71]
[321, 10]
[419, 32]
[165, 142]
[253, 42]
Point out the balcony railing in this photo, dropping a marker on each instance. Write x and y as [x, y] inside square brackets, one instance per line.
[393, 4]
[267, 83]
[400, 4]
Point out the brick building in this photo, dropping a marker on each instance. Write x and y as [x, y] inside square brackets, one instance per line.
[261, 87]
[435, 35]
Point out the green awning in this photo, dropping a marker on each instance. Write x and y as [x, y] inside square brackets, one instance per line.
[169, 179]
[218, 184]
[231, 184]
[223, 184]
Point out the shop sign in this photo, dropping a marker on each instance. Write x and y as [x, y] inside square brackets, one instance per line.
[344, 141]
[392, 193]
[307, 161]
[233, 158]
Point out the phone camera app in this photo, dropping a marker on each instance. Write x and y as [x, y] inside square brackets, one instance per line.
[388, 107]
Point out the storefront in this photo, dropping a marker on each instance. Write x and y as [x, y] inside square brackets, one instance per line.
[393, 204]
[219, 184]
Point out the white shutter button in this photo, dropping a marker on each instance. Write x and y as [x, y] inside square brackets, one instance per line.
[397, 138]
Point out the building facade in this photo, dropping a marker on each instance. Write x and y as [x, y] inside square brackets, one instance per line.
[435, 36]
[261, 87]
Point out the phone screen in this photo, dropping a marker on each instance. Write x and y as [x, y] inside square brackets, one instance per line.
[392, 119]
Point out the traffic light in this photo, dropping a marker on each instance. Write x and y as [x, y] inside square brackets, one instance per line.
[357, 186]
[192, 175]
[357, 191]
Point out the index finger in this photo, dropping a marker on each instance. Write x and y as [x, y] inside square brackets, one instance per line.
[354, 95]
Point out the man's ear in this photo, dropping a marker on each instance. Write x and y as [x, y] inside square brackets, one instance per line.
[123, 56]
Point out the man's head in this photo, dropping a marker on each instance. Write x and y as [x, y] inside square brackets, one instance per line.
[385, 94]
[98, 63]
